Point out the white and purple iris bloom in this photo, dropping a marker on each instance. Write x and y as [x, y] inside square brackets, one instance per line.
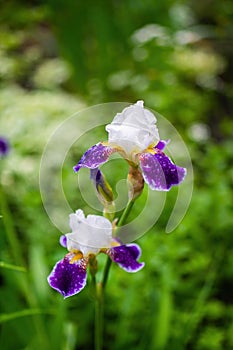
[134, 135]
[90, 236]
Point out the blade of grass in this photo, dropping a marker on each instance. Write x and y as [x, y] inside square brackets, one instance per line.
[197, 313]
[12, 267]
[23, 313]
[162, 319]
[23, 281]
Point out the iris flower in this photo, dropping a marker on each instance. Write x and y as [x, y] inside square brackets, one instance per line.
[90, 236]
[4, 146]
[134, 135]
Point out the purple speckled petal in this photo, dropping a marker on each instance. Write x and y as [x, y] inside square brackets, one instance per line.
[161, 144]
[63, 241]
[94, 156]
[68, 279]
[159, 172]
[126, 257]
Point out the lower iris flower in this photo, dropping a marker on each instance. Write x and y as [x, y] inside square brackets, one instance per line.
[90, 236]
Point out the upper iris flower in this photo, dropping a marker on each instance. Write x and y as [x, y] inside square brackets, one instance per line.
[135, 136]
[89, 237]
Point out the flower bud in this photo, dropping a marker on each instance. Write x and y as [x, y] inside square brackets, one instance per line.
[104, 193]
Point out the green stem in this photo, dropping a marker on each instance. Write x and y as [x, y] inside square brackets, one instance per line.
[99, 317]
[120, 223]
[99, 304]
[125, 213]
[106, 272]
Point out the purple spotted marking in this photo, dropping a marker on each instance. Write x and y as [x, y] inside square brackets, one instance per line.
[159, 172]
[94, 156]
[68, 279]
[126, 257]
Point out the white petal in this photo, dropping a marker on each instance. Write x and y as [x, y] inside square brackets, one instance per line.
[72, 243]
[99, 222]
[133, 130]
[75, 219]
[140, 103]
[89, 234]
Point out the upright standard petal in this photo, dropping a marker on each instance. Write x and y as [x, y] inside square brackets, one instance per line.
[89, 234]
[159, 172]
[75, 219]
[94, 156]
[126, 257]
[68, 278]
[133, 130]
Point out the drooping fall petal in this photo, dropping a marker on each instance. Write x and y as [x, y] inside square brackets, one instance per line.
[159, 172]
[94, 156]
[126, 256]
[68, 278]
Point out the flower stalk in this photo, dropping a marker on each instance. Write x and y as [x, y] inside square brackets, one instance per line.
[100, 288]
[99, 317]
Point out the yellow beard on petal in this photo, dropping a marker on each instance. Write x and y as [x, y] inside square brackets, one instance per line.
[151, 149]
[77, 256]
[115, 244]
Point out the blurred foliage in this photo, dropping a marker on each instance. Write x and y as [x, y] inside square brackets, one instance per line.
[59, 56]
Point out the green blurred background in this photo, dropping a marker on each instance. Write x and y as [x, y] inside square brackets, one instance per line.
[59, 56]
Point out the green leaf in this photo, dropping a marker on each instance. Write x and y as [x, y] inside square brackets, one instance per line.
[12, 267]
